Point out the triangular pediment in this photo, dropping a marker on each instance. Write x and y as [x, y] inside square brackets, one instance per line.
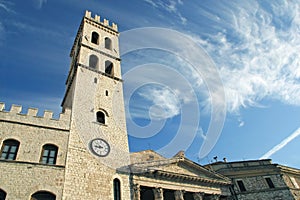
[178, 166]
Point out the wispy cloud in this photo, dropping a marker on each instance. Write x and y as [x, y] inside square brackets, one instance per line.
[282, 144]
[166, 103]
[35, 29]
[39, 3]
[170, 6]
[5, 5]
[256, 52]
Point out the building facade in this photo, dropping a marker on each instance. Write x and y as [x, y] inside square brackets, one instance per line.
[260, 179]
[85, 154]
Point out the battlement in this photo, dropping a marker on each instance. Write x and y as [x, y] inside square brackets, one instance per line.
[97, 19]
[15, 115]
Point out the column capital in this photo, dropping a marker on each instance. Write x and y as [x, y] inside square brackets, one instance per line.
[179, 195]
[198, 195]
[136, 192]
[158, 193]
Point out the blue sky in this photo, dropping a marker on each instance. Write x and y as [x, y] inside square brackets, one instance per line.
[250, 48]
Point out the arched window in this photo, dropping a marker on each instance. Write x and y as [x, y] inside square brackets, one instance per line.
[93, 61]
[49, 154]
[2, 194]
[100, 117]
[109, 67]
[117, 189]
[10, 149]
[43, 195]
[108, 44]
[95, 38]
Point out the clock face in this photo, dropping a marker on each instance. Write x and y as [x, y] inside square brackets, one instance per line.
[99, 147]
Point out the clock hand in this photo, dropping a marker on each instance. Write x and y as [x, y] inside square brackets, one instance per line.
[100, 147]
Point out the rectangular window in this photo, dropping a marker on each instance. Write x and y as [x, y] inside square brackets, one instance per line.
[49, 154]
[241, 185]
[9, 149]
[269, 182]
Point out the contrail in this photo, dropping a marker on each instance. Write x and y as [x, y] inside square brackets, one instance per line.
[281, 144]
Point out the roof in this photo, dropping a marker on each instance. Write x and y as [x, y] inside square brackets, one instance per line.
[151, 164]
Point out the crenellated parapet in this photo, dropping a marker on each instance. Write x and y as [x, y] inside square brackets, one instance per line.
[105, 22]
[15, 115]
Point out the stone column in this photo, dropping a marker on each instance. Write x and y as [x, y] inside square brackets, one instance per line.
[136, 192]
[198, 195]
[178, 195]
[158, 193]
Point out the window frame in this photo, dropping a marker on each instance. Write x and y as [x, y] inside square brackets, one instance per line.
[107, 43]
[93, 61]
[241, 185]
[269, 182]
[9, 143]
[95, 38]
[117, 189]
[98, 117]
[109, 67]
[49, 148]
[35, 196]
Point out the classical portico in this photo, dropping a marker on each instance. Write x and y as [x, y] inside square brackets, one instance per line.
[157, 178]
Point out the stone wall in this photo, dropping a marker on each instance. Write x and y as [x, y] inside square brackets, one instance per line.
[25, 175]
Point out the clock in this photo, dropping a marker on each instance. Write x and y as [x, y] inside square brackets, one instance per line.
[99, 147]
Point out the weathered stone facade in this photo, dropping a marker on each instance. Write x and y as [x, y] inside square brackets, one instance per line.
[260, 179]
[43, 158]
[25, 175]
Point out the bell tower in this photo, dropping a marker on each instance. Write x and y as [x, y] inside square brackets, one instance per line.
[98, 143]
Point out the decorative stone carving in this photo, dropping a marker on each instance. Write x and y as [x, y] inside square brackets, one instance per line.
[136, 192]
[158, 193]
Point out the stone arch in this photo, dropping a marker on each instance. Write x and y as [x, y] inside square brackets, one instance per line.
[95, 37]
[10, 149]
[117, 189]
[43, 195]
[2, 194]
[107, 43]
[93, 61]
[109, 68]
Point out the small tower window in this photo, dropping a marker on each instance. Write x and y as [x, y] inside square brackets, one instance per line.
[109, 67]
[117, 189]
[49, 154]
[108, 43]
[101, 117]
[106, 93]
[10, 149]
[93, 61]
[95, 38]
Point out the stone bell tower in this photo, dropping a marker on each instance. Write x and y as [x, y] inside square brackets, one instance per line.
[98, 143]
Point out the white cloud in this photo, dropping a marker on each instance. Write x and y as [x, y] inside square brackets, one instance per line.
[260, 57]
[166, 104]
